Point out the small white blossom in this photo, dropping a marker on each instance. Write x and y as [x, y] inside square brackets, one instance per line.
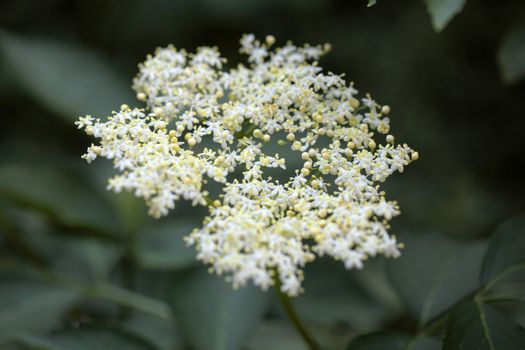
[258, 229]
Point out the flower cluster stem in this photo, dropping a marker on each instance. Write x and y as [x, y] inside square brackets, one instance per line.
[292, 315]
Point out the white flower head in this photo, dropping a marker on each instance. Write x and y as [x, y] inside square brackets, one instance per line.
[259, 229]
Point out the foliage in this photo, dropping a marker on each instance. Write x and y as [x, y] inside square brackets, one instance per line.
[442, 11]
[511, 55]
[82, 268]
[452, 291]
[45, 68]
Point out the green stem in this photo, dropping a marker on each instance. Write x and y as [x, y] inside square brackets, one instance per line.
[288, 307]
[503, 298]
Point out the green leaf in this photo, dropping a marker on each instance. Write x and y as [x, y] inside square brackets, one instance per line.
[212, 315]
[434, 272]
[131, 210]
[511, 55]
[276, 335]
[474, 326]
[371, 3]
[31, 306]
[514, 309]
[335, 295]
[442, 11]
[89, 338]
[69, 79]
[64, 195]
[88, 258]
[103, 291]
[117, 295]
[506, 252]
[80, 256]
[162, 247]
[159, 332]
[393, 341]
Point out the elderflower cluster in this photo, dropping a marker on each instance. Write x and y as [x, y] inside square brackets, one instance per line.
[202, 123]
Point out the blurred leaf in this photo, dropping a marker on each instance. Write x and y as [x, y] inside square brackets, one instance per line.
[115, 294]
[511, 55]
[212, 315]
[153, 283]
[276, 336]
[474, 326]
[374, 281]
[69, 79]
[132, 211]
[162, 246]
[86, 257]
[434, 272]
[371, 3]
[335, 295]
[26, 305]
[393, 341]
[91, 338]
[5, 81]
[280, 334]
[506, 251]
[65, 195]
[159, 332]
[515, 310]
[103, 291]
[442, 11]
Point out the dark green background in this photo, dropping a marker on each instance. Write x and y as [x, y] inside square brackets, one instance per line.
[63, 59]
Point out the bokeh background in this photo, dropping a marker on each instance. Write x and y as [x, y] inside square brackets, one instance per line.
[77, 262]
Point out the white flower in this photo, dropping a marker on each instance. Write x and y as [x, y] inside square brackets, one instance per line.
[83, 122]
[258, 230]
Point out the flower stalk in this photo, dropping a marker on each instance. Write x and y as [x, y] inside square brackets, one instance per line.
[293, 316]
